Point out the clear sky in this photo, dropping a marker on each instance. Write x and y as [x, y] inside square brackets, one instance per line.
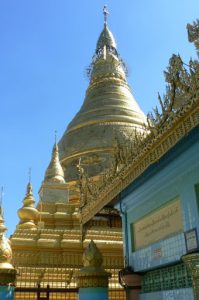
[45, 49]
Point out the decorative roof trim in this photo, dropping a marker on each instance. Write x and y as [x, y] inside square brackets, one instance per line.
[173, 131]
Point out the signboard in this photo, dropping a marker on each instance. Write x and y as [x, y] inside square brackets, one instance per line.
[158, 225]
[191, 240]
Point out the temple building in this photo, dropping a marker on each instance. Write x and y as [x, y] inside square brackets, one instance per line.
[126, 181]
[50, 238]
[156, 189]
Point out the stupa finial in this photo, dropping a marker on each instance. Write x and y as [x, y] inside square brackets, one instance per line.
[28, 214]
[106, 13]
[30, 175]
[55, 137]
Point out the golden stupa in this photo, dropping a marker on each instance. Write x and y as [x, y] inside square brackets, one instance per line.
[49, 241]
[109, 110]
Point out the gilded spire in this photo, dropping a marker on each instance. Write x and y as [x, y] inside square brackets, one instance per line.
[28, 214]
[106, 61]
[7, 272]
[54, 172]
[109, 107]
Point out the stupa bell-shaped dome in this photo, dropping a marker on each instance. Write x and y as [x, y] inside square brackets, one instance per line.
[109, 109]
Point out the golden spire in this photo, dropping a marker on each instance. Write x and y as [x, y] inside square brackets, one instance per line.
[54, 172]
[28, 214]
[5, 252]
[109, 107]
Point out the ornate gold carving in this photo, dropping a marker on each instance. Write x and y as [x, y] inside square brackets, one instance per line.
[5, 251]
[183, 87]
[193, 34]
[179, 115]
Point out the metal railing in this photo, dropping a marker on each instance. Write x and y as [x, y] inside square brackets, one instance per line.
[41, 293]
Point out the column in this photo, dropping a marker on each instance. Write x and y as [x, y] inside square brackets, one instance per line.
[131, 281]
[92, 279]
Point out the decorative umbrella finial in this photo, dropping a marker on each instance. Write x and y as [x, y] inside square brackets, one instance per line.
[30, 175]
[106, 13]
[55, 137]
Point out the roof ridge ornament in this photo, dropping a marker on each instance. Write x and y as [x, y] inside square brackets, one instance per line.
[105, 13]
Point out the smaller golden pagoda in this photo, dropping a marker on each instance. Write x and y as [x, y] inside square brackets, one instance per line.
[54, 172]
[28, 215]
[7, 271]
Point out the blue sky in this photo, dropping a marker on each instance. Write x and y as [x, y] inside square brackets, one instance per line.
[45, 49]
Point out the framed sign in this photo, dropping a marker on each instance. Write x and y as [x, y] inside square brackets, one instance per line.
[159, 224]
[191, 240]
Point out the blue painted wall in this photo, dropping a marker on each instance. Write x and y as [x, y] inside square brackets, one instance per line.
[94, 293]
[180, 294]
[175, 178]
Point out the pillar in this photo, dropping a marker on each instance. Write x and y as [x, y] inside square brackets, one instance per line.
[92, 279]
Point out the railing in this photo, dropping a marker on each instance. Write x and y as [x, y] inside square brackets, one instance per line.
[41, 293]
